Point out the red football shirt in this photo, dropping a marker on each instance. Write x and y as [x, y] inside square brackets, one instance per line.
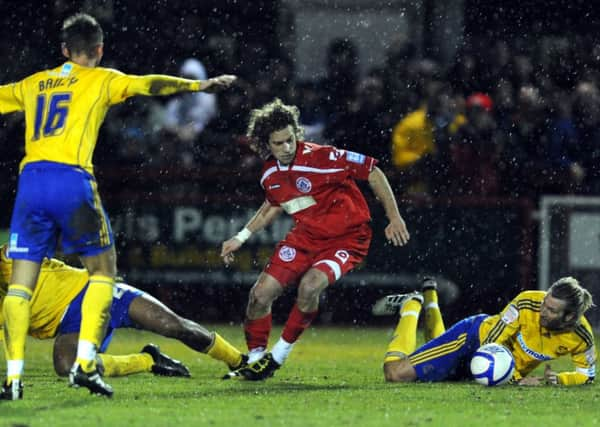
[318, 189]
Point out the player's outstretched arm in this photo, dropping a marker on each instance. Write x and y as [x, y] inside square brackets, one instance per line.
[396, 231]
[124, 86]
[552, 377]
[263, 217]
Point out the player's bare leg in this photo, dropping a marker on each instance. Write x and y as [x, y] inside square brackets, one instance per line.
[303, 313]
[16, 311]
[64, 353]
[258, 326]
[399, 371]
[150, 314]
[258, 314]
[312, 284]
[266, 290]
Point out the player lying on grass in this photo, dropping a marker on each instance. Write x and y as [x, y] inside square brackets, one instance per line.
[536, 326]
[56, 313]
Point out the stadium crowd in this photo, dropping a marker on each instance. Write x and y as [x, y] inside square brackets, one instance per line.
[515, 122]
[515, 118]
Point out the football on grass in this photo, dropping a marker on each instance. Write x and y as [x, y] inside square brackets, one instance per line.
[492, 364]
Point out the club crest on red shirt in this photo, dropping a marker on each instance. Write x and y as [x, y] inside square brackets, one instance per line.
[303, 184]
[287, 253]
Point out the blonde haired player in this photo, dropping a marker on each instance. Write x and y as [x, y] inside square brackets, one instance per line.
[536, 326]
[57, 192]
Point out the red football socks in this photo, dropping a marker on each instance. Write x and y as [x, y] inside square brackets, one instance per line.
[297, 322]
[257, 331]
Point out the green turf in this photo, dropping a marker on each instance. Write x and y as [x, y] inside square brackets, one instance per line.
[333, 378]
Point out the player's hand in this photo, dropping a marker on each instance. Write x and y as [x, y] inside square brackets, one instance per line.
[550, 376]
[228, 248]
[531, 381]
[216, 84]
[396, 232]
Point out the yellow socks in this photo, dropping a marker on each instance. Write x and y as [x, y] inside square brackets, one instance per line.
[222, 350]
[16, 312]
[95, 314]
[117, 366]
[404, 340]
[434, 323]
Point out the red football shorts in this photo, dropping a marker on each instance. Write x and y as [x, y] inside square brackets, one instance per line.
[335, 257]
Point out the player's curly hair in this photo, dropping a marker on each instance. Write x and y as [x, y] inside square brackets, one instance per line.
[270, 118]
[81, 33]
[578, 299]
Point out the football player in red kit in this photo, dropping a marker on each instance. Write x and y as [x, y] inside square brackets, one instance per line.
[316, 185]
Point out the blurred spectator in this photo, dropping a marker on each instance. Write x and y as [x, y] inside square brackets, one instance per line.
[400, 52]
[188, 35]
[224, 139]
[281, 73]
[187, 115]
[338, 87]
[463, 75]
[419, 140]
[220, 56]
[560, 64]
[474, 151]
[522, 71]
[130, 135]
[504, 104]
[525, 158]
[422, 73]
[480, 103]
[398, 85]
[586, 150]
[365, 126]
[253, 57]
[185, 118]
[563, 144]
[307, 97]
[495, 64]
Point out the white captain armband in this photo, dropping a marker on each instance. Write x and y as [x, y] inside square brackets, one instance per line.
[243, 235]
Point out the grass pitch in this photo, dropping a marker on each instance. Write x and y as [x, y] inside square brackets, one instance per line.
[333, 378]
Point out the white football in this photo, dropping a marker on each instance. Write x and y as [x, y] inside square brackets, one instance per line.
[492, 364]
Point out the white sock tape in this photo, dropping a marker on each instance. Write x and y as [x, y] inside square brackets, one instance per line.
[409, 313]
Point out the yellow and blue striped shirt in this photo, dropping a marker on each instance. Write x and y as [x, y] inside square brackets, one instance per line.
[518, 328]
